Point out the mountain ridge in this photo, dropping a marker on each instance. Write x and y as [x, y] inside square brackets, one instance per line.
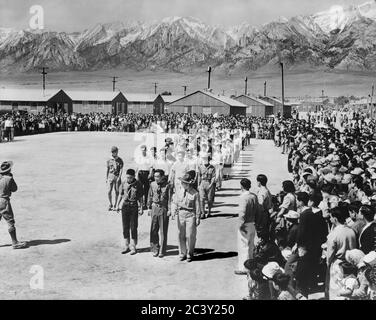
[340, 38]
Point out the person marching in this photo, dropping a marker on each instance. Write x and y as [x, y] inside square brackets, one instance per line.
[113, 177]
[159, 207]
[217, 162]
[186, 205]
[178, 170]
[130, 202]
[144, 167]
[206, 182]
[7, 186]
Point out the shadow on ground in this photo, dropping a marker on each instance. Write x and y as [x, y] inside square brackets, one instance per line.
[35, 243]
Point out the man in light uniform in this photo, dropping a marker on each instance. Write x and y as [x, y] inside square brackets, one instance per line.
[7, 186]
[248, 210]
[186, 205]
[144, 167]
[178, 170]
[159, 208]
[206, 181]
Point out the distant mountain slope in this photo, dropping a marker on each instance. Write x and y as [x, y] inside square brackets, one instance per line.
[340, 38]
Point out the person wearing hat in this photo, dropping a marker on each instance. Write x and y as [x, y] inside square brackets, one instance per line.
[186, 206]
[131, 205]
[206, 184]
[113, 177]
[292, 225]
[7, 187]
[144, 167]
[159, 208]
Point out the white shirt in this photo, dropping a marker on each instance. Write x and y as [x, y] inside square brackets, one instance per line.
[144, 163]
[8, 124]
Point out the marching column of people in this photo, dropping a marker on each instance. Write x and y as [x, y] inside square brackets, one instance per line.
[179, 182]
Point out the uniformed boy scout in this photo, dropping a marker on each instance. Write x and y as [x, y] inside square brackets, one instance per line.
[186, 206]
[130, 202]
[7, 186]
[159, 207]
[206, 184]
[113, 176]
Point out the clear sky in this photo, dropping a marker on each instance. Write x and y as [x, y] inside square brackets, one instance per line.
[77, 15]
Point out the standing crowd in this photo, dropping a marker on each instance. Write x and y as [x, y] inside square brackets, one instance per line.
[320, 229]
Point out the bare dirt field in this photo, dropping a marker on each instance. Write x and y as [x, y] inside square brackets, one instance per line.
[61, 210]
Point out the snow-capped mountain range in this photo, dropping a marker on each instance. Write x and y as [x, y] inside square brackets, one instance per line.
[340, 38]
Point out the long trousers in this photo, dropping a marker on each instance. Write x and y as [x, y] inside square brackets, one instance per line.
[129, 216]
[187, 232]
[246, 244]
[158, 233]
[143, 177]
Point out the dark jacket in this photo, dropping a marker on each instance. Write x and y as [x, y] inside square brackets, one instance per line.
[292, 235]
[367, 239]
[312, 231]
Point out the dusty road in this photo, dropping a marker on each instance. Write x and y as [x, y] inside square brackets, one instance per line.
[61, 210]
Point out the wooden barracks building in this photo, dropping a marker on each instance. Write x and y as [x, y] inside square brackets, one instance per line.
[35, 101]
[205, 102]
[256, 107]
[98, 101]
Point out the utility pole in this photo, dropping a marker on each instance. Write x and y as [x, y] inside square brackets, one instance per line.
[155, 87]
[283, 89]
[323, 97]
[209, 75]
[114, 83]
[246, 85]
[44, 73]
[185, 90]
[265, 89]
[372, 94]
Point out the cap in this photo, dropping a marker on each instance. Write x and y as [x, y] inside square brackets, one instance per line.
[114, 149]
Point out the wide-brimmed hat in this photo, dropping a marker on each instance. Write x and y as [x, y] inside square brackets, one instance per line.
[6, 167]
[343, 169]
[186, 179]
[271, 269]
[292, 215]
[370, 259]
[355, 257]
[357, 171]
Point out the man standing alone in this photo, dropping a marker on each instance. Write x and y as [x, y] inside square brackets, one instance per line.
[113, 176]
[248, 210]
[7, 186]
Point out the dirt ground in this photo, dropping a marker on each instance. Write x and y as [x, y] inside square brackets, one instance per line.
[61, 210]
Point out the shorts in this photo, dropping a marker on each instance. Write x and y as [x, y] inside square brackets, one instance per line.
[113, 182]
[6, 212]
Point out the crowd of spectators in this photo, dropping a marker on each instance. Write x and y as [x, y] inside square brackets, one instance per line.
[320, 229]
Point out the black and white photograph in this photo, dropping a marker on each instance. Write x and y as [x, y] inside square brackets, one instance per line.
[188, 150]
